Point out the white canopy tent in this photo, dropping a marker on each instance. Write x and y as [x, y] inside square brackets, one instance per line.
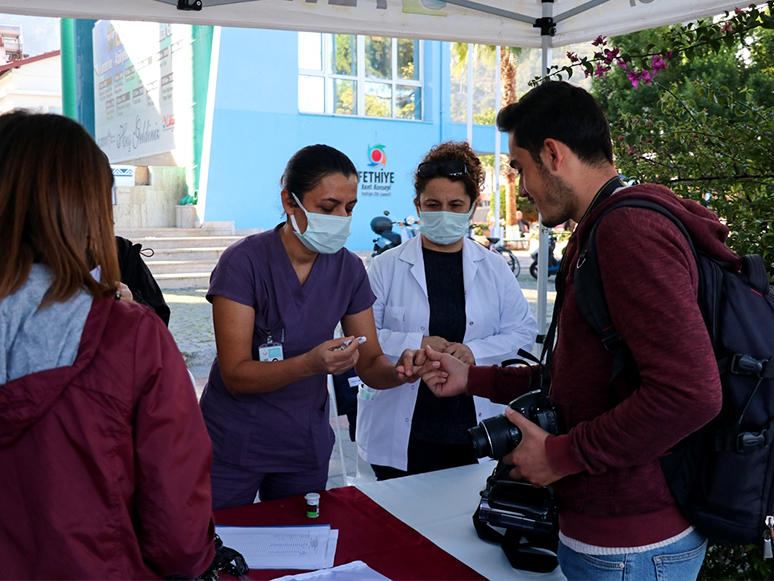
[526, 23]
[493, 22]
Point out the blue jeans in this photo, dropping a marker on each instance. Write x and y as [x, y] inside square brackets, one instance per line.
[679, 561]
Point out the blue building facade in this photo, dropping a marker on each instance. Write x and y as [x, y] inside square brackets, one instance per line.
[258, 123]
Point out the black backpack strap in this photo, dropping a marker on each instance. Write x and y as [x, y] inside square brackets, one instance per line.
[610, 187]
[589, 290]
[755, 269]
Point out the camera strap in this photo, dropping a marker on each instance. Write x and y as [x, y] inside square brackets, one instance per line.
[526, 546]
[526, 552]
[548, 340]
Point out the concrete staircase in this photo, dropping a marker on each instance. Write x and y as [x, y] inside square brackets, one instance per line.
[184, 257]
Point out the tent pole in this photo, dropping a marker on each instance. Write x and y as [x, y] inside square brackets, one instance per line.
[470, 95]
[497, 229]
[209, 114]
[547, 31]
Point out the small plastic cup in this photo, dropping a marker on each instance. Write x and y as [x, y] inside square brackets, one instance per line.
[312, 505]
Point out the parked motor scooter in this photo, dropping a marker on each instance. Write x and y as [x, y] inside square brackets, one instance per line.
[553, 263]
[382, 227]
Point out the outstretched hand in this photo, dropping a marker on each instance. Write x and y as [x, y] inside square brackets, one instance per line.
[410, 365]
[444, 374]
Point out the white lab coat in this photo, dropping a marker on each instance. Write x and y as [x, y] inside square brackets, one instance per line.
[499, 323]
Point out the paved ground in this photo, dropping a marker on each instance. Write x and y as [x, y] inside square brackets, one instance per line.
[191, 325]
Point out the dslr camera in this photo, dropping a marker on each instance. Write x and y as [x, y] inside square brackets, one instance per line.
[495, 437]
[520, 508]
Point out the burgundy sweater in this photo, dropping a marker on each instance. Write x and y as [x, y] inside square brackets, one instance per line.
[613, 492]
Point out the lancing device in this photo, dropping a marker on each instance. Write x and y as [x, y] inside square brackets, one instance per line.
[348, 342]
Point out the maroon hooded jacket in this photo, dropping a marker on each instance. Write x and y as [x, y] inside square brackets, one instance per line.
[613, 492]
[106, 463]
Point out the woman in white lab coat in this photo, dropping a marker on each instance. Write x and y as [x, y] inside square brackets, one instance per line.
[444, 290]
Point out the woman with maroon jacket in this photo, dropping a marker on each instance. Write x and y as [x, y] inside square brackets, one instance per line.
[105, 457]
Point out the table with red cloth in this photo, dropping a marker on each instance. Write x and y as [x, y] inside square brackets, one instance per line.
[367, 532]
[416, 527]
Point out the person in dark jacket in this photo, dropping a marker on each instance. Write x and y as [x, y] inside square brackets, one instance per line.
[616, 511]
[105, 456]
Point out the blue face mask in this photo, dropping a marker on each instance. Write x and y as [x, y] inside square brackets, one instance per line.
[324, 234]
[444, 227]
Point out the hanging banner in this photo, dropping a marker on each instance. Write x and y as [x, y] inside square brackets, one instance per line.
[133, 89]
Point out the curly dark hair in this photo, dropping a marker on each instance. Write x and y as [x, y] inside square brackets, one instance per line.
[473, 180]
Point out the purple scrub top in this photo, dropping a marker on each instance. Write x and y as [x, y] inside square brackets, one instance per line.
[286, 430]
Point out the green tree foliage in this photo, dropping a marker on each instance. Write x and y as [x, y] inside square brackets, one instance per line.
[378, 51]
[704, 125]
[377, 105]
[408, 52]
[735, 563]
[739, 63]
[344, 58]
[725, 162]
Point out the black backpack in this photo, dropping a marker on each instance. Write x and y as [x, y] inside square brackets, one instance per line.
[721, 476]
[137, 276]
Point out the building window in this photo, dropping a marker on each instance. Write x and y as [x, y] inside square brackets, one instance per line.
[366, 76]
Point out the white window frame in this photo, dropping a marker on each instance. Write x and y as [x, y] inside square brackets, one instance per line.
[360, 79]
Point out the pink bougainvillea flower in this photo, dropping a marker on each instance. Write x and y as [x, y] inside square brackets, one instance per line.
[573, 57]
[637, 77]
[611, 55]
[600, 40]
[601, 71]
[658, 64]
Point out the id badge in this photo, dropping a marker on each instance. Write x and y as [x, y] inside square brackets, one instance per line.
[355, 383]
[270, 352]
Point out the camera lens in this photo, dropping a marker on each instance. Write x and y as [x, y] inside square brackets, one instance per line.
[494, 437]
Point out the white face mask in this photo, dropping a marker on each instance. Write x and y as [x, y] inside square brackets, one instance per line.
[324, 234]
[444, 227]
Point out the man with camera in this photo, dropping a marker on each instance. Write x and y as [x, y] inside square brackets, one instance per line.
[616, 513]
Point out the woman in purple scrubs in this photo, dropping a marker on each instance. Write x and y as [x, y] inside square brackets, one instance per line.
[276, 300]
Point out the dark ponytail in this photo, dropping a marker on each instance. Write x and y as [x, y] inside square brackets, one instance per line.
[311, 164]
